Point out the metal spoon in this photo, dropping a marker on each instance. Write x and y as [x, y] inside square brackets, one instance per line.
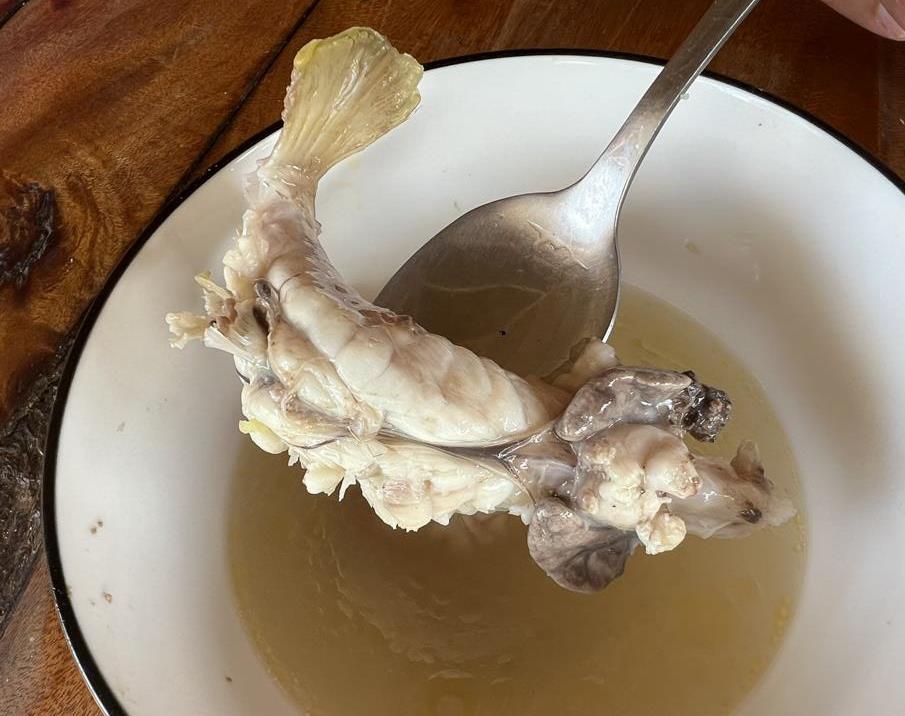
[528, 279]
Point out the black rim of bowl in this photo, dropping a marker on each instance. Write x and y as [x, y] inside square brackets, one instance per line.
[91, 673]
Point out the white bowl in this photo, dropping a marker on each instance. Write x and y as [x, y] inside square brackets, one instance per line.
[801, 251]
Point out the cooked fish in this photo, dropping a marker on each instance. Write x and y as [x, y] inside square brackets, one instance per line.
[594, 461]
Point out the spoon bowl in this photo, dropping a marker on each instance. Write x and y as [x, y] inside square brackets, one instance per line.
[529, 279]
[508, 279]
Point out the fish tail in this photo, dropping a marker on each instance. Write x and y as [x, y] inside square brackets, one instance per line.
[346, 92]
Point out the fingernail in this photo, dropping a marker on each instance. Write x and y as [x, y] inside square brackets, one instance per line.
[888, 24]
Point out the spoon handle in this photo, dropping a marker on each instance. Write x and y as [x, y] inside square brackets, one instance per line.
[604, 187]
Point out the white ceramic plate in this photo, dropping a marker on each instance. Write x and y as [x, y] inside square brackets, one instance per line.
[800, 248]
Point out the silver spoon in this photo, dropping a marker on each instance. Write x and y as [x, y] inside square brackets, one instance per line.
[528, 279]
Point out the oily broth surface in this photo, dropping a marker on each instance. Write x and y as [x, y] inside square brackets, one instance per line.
[350, 616]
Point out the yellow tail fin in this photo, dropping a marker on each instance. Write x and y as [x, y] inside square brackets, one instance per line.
[346, 91]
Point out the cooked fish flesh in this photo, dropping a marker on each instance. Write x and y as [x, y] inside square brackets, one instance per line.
[593, 461]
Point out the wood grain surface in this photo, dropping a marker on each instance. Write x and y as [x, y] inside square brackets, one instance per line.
[116, 105]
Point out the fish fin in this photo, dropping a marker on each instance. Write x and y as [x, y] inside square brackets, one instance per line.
[346, 92]
[185, 327]
[576, 554]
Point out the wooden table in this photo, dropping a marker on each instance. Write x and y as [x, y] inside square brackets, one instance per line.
[117, 105]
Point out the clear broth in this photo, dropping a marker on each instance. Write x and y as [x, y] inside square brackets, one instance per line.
[352, 617]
